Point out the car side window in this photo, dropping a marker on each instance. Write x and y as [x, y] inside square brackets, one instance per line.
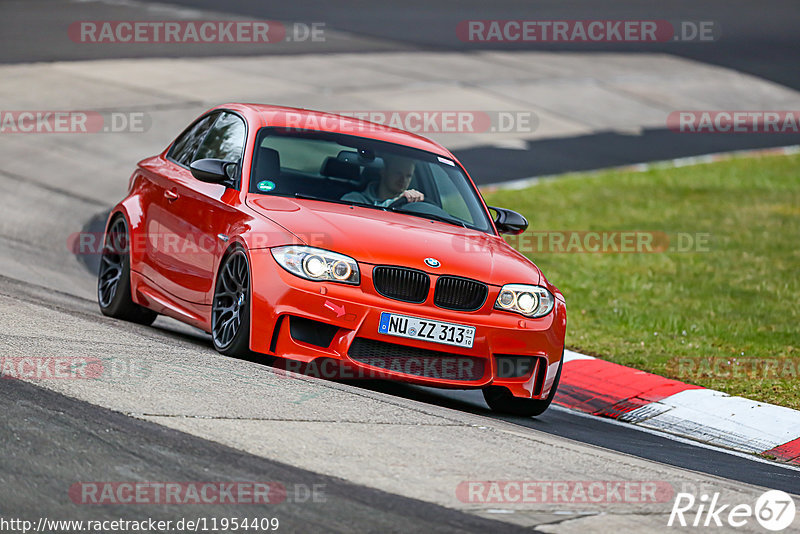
[452, 199]
[225, 140]
[183, 149]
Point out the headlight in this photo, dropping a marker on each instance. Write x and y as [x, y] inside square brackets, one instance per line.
[530, 301]
[317, 264]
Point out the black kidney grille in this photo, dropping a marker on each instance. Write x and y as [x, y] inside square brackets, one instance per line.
[399, 283]
[461, 294]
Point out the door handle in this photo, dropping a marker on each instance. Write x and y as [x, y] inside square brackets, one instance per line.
[171, 195]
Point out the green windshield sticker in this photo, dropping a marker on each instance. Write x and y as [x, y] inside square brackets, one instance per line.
[266, 185]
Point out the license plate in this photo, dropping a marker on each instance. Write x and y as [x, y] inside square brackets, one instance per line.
[394, 324]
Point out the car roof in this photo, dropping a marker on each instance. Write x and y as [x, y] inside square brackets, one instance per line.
[288, 117]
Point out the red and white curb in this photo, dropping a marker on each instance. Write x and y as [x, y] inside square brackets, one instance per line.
[606, 389]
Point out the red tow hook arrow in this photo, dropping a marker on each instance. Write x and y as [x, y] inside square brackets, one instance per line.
[338, 310]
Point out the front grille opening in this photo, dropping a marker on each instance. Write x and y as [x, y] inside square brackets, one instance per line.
[509, 366]
[311, 332]
[541, 373]
[273, 344]
[417, 362]
[400, 283]
[463, 294]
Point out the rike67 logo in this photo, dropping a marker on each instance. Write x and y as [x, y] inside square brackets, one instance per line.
[774, 510]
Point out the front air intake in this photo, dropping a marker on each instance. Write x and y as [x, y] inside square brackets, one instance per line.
[414, 361]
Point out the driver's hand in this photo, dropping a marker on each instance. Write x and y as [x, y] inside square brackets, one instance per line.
[412, 195]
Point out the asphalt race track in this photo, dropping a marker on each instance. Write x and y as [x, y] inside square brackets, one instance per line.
[758, 39]
[383, 457]
[76, 439]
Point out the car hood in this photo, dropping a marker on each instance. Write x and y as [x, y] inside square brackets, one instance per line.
[385, 238]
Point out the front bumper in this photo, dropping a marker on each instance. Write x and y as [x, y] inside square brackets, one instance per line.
[353, 315]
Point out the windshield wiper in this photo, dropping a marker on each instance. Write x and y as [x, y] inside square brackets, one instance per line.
[434, 217]
[335, 201]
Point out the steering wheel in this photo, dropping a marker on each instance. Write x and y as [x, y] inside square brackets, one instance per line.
[399, 203]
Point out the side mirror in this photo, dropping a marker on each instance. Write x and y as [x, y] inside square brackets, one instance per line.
[509, 222]
[214, 171]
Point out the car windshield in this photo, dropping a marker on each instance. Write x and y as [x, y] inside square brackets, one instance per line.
[356, 170]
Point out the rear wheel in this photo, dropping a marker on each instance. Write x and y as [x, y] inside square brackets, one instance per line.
[230, 311]
[114, 278]
[500, 399]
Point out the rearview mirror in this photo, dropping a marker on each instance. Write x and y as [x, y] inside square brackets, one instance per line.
[214, 171]
[509, 222]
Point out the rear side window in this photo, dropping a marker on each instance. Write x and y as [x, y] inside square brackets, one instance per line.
[303, 155]
[183, 149]
[225, 140]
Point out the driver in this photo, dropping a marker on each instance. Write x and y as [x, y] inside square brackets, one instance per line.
[393, 184]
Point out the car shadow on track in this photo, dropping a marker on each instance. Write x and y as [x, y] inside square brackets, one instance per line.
[468, 401]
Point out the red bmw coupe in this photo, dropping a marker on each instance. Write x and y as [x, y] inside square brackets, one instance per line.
[311, 236]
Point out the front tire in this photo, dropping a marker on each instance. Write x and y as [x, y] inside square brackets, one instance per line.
[500, 399]
[230, 310]
[114, 278]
